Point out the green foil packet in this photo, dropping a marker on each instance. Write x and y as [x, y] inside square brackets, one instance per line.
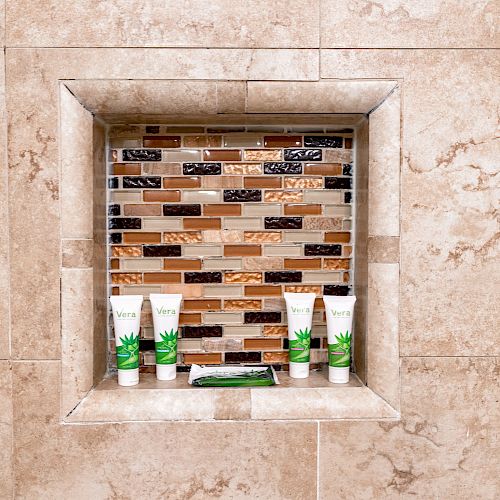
[232, 376]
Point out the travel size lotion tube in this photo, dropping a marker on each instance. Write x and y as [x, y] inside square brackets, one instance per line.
[339, 314]
[166, 308]
[299, 311]
[127, 321]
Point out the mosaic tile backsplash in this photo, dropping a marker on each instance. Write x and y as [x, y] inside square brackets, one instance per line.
[231, 217]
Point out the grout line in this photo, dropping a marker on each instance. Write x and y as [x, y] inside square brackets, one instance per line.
[317, 460]
[205, 48]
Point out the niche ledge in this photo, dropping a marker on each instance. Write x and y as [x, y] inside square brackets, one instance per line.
[293, 399]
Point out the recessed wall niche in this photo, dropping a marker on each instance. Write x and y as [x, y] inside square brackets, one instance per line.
[231, 217]
[93, 111]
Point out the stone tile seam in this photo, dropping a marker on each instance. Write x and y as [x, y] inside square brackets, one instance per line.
[243, 47]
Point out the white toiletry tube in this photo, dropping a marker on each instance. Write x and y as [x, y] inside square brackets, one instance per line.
[299, 310]
[166, 308]
[339, 315]
[127, 323]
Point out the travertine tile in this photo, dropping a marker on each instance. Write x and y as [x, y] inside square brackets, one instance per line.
[384, 249]
[77, 253]
[6, 458]
[446, 23]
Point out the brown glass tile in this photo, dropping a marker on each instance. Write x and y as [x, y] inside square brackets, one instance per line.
[275, 331]
[162, 277]
[202, 304]
[336, 264]
[162, 141]
[263, 291]
[114, 264]
[181, 182]
[126, 169]
[182, 237]
[202, 141]
[323, 169]
[346, 250]
[302, 209]
[201, 223]
[262, 182]
[222, 209]
[283, 196]
[212, 358]
[126, 278]
[119, 251]
[164, 196]
[318, 303]
[282, 141]
[242, 250]
[242, 304]
[142, 237]
[142, 209]
[189, 318]
[346, 278]
[302, 263]
[243, 277]
[262, 237]
[275, 357]
[344, 237]
[181, 264]
[348, 142]
[303, 289]
[257, 344]
[115, 290]
[221, 155]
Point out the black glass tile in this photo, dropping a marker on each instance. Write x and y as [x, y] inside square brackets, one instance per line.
[202, 277]
[142, 182]
[124, 223]
[161, 250]
[282, 167]
[283, 276]
[242, 357]
[335, 290]
[181, 210]
[202, 168]
[277, 368]
[303, 154]
[347, 169]
[152, 129]
[196, 332]
[283, 222]
[263, 317]
[142, 155]
[323, 141]
[146, 344]
[347, 197]
[242, 195]
[315, 343]
[225, 130]
[113, 209]
[113, 183]
[115, 238]
[326, 250]
[338, 183]
[183, 369]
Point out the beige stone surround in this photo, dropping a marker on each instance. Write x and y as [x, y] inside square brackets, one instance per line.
[446, 440]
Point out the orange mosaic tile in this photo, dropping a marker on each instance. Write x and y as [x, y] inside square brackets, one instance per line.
[189, 318]
[201, 223]
[243, 168]
[263, 290]
[262, 154]
[344, 237]
[262, 237]
[262, 182]
[162, 141]
[275, 331]
[257, 344]
[283, 196]
[222, 209]
[303, 289]
[182, 237]
[221, 155]
[275, 357]
[243, 277]
[202, 141]
[181, 264]
[122, 251]
[302, 209]
[203, 359]
[302, 263]
[126, 169]
[239, 304]
[303, 182]
[142, 237]
[282, 141]
[126, 278]
[336, 264]
[164, 196]
[242, 250]
[162, 278]
[181, 182]
[142, 209]
[323, 169]
[202, 304]
[114, 264]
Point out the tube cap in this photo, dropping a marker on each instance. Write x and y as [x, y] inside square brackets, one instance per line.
[128, 377]
[166, 372]
[338, 375]
[299, 370]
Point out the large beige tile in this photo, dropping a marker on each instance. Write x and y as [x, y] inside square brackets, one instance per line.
[95, 461]
[449, 231]
[409, 23]
[6, 478]
[446, 445]
[193, 23]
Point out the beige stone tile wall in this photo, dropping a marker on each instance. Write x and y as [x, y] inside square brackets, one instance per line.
[446, 442]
